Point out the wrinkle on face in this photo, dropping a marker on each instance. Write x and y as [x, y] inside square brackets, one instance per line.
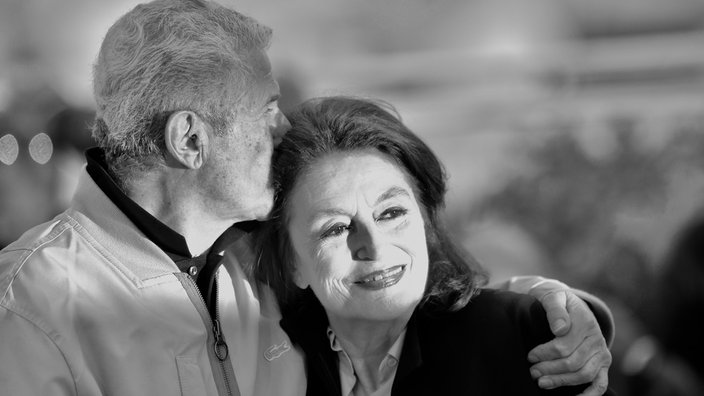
[339, 192]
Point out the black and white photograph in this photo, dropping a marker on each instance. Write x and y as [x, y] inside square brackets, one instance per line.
[353, 198]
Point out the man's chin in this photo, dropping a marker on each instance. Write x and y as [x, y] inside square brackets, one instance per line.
[266, 205]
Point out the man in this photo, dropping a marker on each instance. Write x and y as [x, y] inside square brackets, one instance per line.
[140, 287]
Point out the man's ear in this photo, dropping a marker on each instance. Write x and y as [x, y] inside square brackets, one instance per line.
[186, 138]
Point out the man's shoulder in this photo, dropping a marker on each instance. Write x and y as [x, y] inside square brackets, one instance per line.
[36, 255]
[34, 239]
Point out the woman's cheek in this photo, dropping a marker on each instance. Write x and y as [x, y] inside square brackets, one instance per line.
[325, 267]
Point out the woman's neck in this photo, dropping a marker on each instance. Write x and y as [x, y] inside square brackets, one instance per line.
[367, 344]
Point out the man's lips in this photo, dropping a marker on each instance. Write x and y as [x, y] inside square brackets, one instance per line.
[381, 279]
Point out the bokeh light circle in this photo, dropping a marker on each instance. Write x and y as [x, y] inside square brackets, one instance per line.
[41, 148]
[9, 149]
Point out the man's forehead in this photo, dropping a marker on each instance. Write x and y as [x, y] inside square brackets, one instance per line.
[259, 91]
[259, 61]
[264, 87]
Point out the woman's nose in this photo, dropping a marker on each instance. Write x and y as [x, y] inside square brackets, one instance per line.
[366, 244]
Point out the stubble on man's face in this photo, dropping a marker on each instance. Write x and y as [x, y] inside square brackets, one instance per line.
[259, 125]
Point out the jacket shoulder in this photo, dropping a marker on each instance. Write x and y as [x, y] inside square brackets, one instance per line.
[482, 347]
[30, 247]
[44, 265]
[503, 305]
[495, 315]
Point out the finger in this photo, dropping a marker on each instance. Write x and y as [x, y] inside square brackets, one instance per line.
[600, 384]
[557, 381]
[555, 305]
[557, 348]
[569, 364]
[589, 373]
[582, 324]
[580, 357]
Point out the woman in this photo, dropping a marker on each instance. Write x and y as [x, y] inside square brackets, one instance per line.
[371, 286]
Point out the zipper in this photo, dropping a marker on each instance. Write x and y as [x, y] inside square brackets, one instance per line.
[219, 345]
[220, 348]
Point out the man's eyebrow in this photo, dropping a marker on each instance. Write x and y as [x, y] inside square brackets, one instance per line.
[390, 193]
[273, 98]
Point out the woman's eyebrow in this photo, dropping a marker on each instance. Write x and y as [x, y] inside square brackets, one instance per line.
[330, 212]
[392, 192]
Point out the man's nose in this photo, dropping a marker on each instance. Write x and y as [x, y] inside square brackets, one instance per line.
[281, 126]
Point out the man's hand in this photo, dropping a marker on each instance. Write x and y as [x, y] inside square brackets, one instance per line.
[579, 353]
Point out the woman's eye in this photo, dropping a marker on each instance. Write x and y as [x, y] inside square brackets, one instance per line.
[392, 213]
[337, 229]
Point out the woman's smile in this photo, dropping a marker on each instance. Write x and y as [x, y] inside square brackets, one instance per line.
[359, 240]
[381, 279]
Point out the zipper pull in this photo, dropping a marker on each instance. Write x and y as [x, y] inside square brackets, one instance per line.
[220, 346]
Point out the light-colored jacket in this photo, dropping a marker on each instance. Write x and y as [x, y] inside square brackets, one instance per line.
[90, 306]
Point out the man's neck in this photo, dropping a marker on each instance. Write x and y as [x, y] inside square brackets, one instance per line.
[176, 207]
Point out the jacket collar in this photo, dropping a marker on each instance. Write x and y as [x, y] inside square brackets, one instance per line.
[114, 235]
[307, 326]
[145, 246]
[411, 355]
[170, 241]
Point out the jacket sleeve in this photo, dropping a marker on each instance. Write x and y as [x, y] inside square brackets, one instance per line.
[537, 285]
[30, 361]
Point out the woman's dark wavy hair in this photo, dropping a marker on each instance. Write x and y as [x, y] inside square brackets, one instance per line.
[343, 124]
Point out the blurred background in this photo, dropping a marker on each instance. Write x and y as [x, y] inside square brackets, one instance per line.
[572, 132]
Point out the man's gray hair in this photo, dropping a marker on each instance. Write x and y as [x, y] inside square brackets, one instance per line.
[165, 56]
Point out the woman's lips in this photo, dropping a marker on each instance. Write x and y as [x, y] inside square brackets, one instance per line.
[381, 279]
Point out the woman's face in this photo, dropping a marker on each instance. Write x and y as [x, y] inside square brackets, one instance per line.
[359, 237]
